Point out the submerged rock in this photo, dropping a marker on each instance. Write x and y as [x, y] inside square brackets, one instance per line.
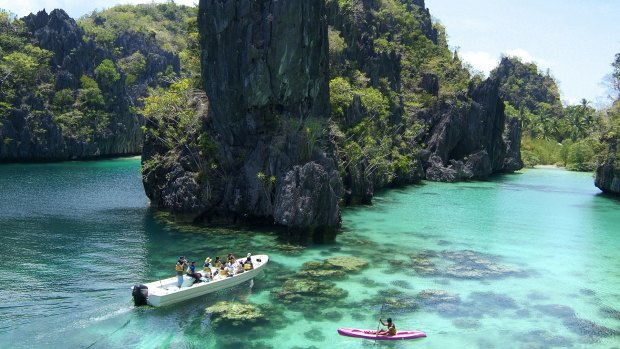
[346, 263]
[436, 297]
[539, 339]
[238, 314]
[314, 335]
[611, 312]
[463, 265]
[318, 270]
[473, 265]
[296, 292]
[588, 328]
[557, 310]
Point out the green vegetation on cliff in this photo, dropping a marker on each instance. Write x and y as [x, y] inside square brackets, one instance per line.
[170, 26]
[72, 89]
[389, 64]
[552, 133]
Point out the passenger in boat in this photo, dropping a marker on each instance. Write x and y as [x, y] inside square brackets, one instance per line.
[223, 273]
[179, 269]
[230, 258]
[391, 328]
[230, 268]
[247, 265]
[207, 274]
[191, 271]
[239, 267]
[207, 265]
[217, 262]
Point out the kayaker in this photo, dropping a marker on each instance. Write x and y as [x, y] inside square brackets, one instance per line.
[391, 328]
[179, 269]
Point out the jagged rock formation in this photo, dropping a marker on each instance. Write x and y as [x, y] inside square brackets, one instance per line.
[31, 131]
[467, 142]
[264, 69]
[523, 86]
[466, 135]
[607, 176]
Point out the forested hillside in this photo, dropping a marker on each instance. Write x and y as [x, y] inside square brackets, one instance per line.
[552, 133]
[72, 90]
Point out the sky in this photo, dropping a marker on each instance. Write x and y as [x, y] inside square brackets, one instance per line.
[575, 39]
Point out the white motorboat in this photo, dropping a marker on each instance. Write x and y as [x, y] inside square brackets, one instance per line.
[165, 292]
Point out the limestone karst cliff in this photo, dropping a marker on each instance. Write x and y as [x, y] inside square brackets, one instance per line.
[78, 103]
[403, 108]
[264, 67]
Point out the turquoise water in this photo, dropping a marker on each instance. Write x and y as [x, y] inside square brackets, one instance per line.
[523, 261]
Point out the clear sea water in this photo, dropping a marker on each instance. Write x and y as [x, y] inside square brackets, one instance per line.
[530, 260]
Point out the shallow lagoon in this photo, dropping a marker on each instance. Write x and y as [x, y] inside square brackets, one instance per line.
[523, 261]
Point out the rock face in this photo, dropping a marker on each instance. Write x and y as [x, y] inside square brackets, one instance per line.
[467, 140]
[34, 134]
[264, 69]
[607, 175]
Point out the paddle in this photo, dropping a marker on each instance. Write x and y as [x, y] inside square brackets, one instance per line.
[378, 324]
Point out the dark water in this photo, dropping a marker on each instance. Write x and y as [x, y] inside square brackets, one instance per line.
[524, 261]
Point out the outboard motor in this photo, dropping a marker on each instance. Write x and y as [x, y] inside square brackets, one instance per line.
[139, 293]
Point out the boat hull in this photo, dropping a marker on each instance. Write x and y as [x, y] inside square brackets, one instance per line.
[165, 292]
[370, 334]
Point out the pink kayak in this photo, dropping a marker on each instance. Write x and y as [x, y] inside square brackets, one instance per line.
[370, 334]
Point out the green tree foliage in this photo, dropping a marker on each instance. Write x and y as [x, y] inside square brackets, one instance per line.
[24, 68]
[163, 23]
[134, 66]
[173, 120]
[12, 33]
[552, 133]
[615, 74]
[81, 114]
[106, 74]
[385, 141]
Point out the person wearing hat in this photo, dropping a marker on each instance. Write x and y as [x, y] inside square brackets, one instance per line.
[179, 269]
[207, 265]
[207, 268]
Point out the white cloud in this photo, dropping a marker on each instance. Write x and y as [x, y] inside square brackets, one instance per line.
[527, 57]
[481, 61]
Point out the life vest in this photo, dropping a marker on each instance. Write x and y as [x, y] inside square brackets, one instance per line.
[179, 267]
[223, 272]
[247, 266]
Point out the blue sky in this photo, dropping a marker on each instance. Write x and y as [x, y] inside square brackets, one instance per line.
[575, 39]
